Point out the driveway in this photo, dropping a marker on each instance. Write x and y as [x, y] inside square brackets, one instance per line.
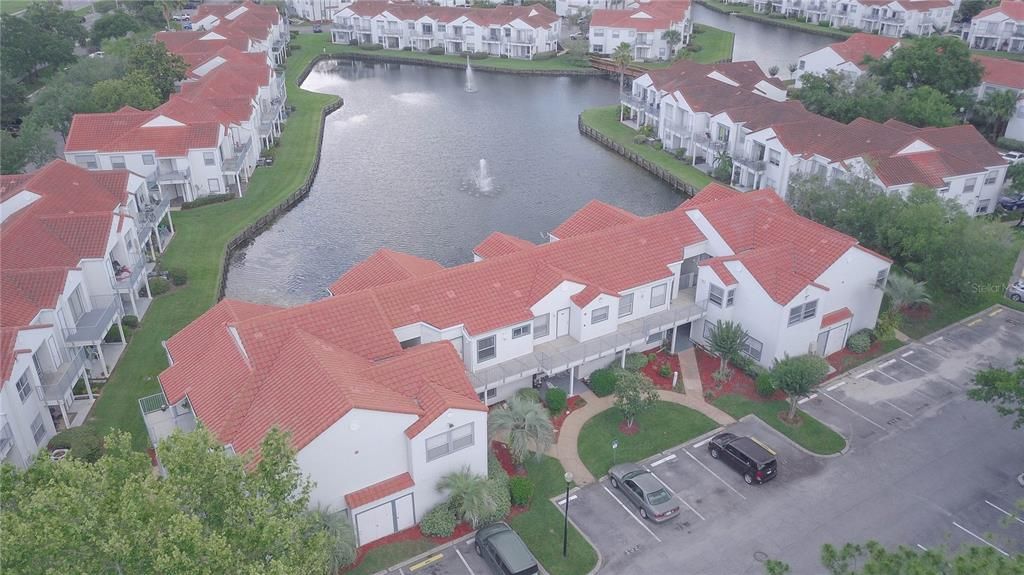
[925, 467]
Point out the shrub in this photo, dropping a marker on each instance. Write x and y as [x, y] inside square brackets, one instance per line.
[352, 42]
[436, 50]
[602, 382]
[529, 394]
[694, 48]
[556, 400]
[544, 55]
[639, 139]
[859, 342]
[439, 521]
[494, 469]
[407, 48]
[636, 361]
[479, 55]
[657, 145]
[722, 375]
[765, 384]
[746, 365]
[83, 442]
[371, 46]
[1010, 144]
[851, 29]
[679, 153]
[207, 200]
[499, 491]
[823, 24]
[159, 286]
[178, 276]
[520, 490]
[130, 321]
[665, 370]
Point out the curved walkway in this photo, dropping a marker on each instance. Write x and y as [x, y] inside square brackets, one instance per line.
[568, 438]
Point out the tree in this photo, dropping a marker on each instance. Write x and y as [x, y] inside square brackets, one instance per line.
[70, 92]
[113, 25]
[722, 163]
[634, 394]
[797, 376]
[162, 67]
[726, 342]
[32, 146]
[1015, 177]
[623, 56]
[873, 558]
[168, 8]
[905, 293]
[469, 495]
[523, 422]
[773, 71]
[792, 67]
[340, 536]
[1004, 388]
[576, 52]
[52, 18]
[27, 49]
[13, 103]
[942, 62]
[995, 110]
[134, 89]
[672, 37]
[968, 10]
[923, 107]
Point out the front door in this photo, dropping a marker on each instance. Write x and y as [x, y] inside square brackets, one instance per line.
[562, 323]
[822, 342]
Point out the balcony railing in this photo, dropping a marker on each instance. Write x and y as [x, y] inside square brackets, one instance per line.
[92, 326]
[153, 206]
[752, 161]
[136, 267]
[170, 175]
[454, 36]
[162, 419]
[678, 127]
[57, 383]
[6, 439]
[235, 163]
[522, 40]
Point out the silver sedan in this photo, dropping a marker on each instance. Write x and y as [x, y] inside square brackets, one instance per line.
[645, 491]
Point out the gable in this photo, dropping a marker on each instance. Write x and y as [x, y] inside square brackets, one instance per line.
[161, 122]
[915, 146]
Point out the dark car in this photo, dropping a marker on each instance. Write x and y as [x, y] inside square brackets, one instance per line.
[504, 551]
[317, 29]
[645, 491]
[1011, 203]
[748, 456]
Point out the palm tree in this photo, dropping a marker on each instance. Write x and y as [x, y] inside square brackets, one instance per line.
[905, 293]
[672, 37]
[468, 494]
[341, 536]
[524, 422]
[623, 56]
[726, 341]
[996, 109]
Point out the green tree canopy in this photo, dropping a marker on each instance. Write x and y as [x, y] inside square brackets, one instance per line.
[873, 558]
[469, 495]
[134, 89]
[51, 17]
[797, 376]
[994, 111]
[524, 423]
[844, 99]
[623, 57]
[1004, 388]
[13, 103]
[726, 341]
[27, 48]
[113, 25]
[941, 62]
[162, 67]
[634, 394]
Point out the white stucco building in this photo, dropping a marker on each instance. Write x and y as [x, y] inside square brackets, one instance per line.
[999, 28]
[316, 10]
[642, 28]
[846, 57]
[893, 18]
[1005, 75]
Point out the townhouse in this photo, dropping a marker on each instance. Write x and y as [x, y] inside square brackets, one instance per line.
[731, 111]
[893, 18]
[384, 384]
[1004, 75]
[1000, 28]
[72, 268]
[506, 31]
[259, 28]
[315, 10]
[847, 57]
[642, 28]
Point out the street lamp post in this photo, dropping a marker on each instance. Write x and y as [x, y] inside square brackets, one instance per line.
[565, 525]
[615, 445]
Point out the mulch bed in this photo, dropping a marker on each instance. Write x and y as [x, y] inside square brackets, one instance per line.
[651, 369]
[739, 384]
[505, 459]
[628, 429]
[837, 359]
[572, 404]
[917, 313]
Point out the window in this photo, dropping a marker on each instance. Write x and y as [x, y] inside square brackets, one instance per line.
[148, 160]
[656, 337]
[38, 431]
[774, 157]
[599, 33]
[615, 34]
[75, 302]
[969, 185]
[88, 162]
[730, 297]
[412, 26]
[598, 315]
[799, 313]
[715, 295]
[117, 162]
[990, 178]
[541, 326]
[881, 277]
[428, 29]
[598, 48]
[24, 387]
[491, 393]
[469, 30]
[521, 330]
[709, 330]
[214, 185]
[441, 28]
[451, 440]
[658, 294]
[752, 348]
[982, 207]
[801, 66]
[409, 343]
[625, 305]
[486, 349]
[209, 159]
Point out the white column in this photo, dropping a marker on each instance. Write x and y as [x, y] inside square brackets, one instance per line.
[103, 360]
[624, 352]
[572, 381]
[64, 415]
[672, 344]
[120, 330]
[131, 298]
[88, 386]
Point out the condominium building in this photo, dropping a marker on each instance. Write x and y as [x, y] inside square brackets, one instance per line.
[893, 18]
[260, 28]
[1004, 75]
[507, 31]
[643, 28]
[848, 57]
[1000, 28]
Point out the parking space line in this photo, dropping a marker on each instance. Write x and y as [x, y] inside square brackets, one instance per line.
[464, 562]
[932, 342]
[894, 406]
[974, 322]
[995, 312]
[1005, 512]
[562, 502]
[835, 386]
[853, 411]
[702, 443]
[938, 355]
[802, 401]
[676, 495]
[717, 476]
[914, 365]
[922, 547]
[432, 559]
[864, 374]
[886, 374]
[665, 459]
[635, 518]
[979, 538]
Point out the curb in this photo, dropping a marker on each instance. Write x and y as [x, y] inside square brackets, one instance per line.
[426, 554]
[600, 558]
[846, 442]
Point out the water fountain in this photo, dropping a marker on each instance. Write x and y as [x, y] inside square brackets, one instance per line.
[470, 84]
[484, 182]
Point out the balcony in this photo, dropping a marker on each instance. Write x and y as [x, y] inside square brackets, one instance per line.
[894, 20]
[57, 383]
[639, 103]
[128, 280]
[162, 420]
[524, 40]
[817, 7]
[706, 141]
[678, 127]
[173, 175]
[456, 36]
[750, 161]
[92, 326]
[153, 206]
[234, 164]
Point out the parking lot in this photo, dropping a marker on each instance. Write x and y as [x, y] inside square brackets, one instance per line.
[458, 559]
[925, 467]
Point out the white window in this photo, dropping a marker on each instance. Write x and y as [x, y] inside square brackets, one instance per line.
[881, 277]
[214, 185]
[148, 160]
[541, 326]
[969, 185]
[24, 387]
[615, 34]
[730, 297]
[656, 337]
[38, 430]
[598, 315]
[709, 330]
[801, 66]
[752, 348]
[209, 158]
[486, 349]
[990, 178]
[491, 393]
[117, 162]
[625, 305]
[75, 302]
[441, 28]
[599, 33]
[715, 295]
[413, 342]
[982, 207]
[88, 162]
[774, 157]
[658, 294]
[520, 331]
[799, 313]
[450, 441]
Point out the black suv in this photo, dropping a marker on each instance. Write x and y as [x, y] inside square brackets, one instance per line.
[504, 551]
[751, 458]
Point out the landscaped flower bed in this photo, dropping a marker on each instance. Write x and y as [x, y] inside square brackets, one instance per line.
[654, 369]
[845, 360]
[739, 384]
[573, 403]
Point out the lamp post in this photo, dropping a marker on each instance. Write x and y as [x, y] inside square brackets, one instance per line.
[615, 445]
[565, 525]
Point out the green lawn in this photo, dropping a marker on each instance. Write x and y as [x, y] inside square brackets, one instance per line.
[541, 525]
[12, 6]
[946, 311]
[663, 426]
[198, 246]
[811, 434]
[1004, 55]
[606, 121]
[381, 558]
[715, 46]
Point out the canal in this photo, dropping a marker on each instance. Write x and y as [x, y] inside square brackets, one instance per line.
[400, 168]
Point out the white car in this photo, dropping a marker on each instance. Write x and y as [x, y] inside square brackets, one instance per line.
[1016, 291]
[181, 18]
[1013, 157]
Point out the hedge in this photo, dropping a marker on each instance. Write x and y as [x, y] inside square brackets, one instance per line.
[207, 200]
[479, 55]
[1010, 144]
[602, 382]
[859, 342]
[439, 521]
[436, 50]
[158, 286]
[520, 490]
[556, 400]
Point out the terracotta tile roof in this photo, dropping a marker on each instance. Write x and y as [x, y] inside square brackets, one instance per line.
[11, 185]
[1012, 9]
[383, 267]
[1002, 72]
[8, 351]
[660, 15]
[834, 317]
[589, 294]
[125, 131]
[859, 45]
[735, 83]
[25, 293]
[379, 491]
[723, 273]
[594, 216]
[499, 244]
[924, 5]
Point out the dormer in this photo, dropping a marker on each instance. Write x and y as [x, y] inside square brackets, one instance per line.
[915, 147]
[162, 121]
